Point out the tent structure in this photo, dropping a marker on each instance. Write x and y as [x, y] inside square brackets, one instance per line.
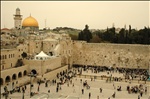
[41, 56]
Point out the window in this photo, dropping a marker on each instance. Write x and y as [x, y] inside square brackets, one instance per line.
[3, 67]
[5, 56]
[11, 64]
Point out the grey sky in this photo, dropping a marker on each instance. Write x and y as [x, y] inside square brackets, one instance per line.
[75, 14]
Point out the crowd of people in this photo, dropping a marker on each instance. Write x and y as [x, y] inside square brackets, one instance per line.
[20, 89]
[129, 75]
[137, 89]
[66, 77]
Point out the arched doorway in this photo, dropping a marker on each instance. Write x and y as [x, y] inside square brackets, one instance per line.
[7, 79]
[14, 77]
[1, 81]
[25, 73]
[34, 71]
[19, 74]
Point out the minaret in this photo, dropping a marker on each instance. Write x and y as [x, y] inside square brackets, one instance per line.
[17, 19]
[113, 25]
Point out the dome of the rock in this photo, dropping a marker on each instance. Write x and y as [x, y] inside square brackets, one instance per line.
[30, 22]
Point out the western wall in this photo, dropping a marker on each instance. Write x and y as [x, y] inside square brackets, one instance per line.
[113, 55]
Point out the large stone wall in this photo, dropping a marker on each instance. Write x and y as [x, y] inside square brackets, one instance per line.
[116, 55]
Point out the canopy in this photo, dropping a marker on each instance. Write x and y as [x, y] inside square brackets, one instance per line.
[41, 56]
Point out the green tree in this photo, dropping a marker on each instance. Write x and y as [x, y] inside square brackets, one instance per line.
[80, 36]
[121, 38]
[24, 55]
[85, 35]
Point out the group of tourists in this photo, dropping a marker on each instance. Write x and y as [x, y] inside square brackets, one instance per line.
[20, 89]
[137, 89]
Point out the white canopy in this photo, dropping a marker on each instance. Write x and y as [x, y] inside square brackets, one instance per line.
[41, 56]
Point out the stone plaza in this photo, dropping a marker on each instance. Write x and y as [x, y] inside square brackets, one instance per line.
[74, 92]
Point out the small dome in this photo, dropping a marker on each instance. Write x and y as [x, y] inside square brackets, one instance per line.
[30, 22]
[17, 9]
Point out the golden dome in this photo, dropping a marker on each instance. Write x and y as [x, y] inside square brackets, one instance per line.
[30, 21]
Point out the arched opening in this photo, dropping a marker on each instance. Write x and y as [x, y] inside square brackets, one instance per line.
[25, 73]
[19, 74]
[34, 71]
[7, 79]
[1, 81]
[14, 77]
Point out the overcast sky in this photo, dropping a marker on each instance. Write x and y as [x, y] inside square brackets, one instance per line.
[75, 14]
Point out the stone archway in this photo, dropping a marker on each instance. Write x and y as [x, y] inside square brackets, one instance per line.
[19, 75]
[34, 71]
[25, 73]
[14, 77]
[1, 81]
[7, 79]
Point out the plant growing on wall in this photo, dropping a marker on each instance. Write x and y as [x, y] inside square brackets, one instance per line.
[24, 55]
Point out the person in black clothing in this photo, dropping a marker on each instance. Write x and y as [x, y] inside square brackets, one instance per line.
[49, 91]
[114, 95]
[57, 89]
[38, 88]
[100, 90]
[25, 87]
[89, 95]
[23, 90]
[82, 91]
[141, 93]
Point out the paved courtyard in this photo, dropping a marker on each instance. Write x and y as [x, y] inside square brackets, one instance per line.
[70, 92]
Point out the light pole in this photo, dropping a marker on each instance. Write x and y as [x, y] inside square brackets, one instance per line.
[31, 75]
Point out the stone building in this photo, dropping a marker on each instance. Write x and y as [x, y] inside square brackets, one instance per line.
[15, 68]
